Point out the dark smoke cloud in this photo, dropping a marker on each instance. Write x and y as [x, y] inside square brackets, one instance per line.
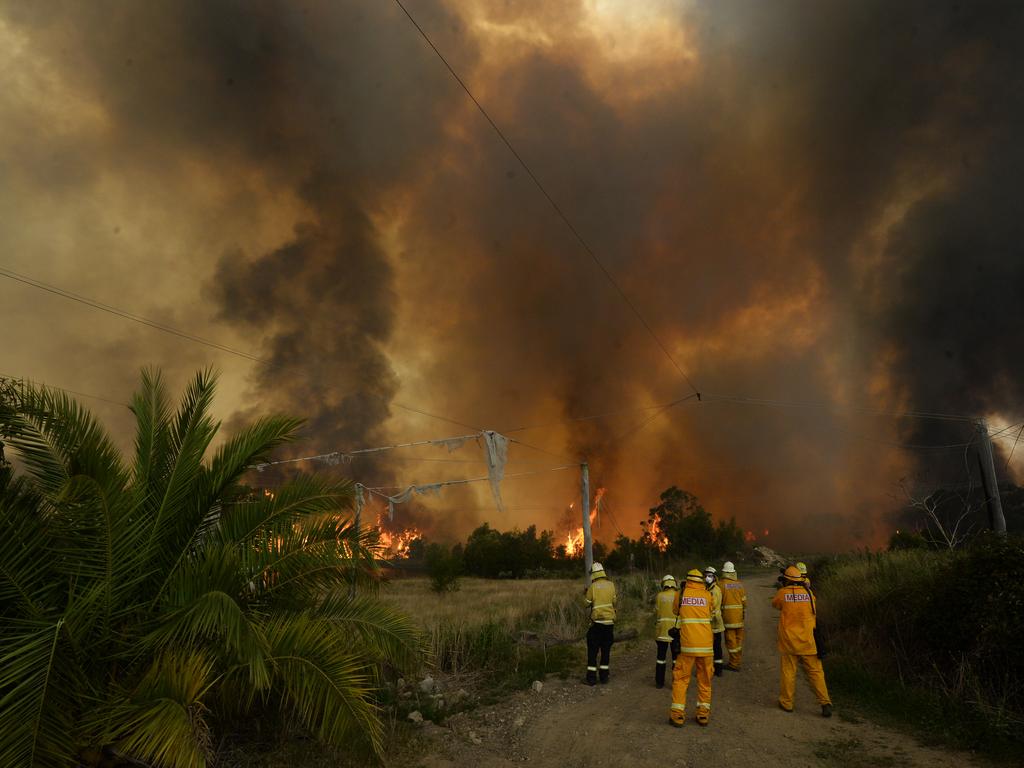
[809, 202]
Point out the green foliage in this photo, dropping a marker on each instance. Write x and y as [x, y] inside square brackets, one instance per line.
[943, 626]
[444, 568]
[492, 554]
[903, 539]
[146, 599]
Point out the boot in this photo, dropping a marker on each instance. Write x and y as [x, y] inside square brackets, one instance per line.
[703, 716]
[718, 670]
[826, 710]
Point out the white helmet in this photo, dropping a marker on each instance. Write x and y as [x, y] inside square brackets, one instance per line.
[710, 569]
[596, 568]
[728, 567]
[668, 579]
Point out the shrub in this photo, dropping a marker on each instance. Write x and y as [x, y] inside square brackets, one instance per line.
[444, 568]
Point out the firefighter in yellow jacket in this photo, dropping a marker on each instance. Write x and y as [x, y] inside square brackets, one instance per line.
[693, 625]
[734, 612]
[665, 612]
[796, 640]
[600, 599]
[717, 625]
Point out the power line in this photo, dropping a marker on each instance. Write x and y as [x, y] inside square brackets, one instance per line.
[62, 389]
[378, 489]
[832, 407]
[1013, 448]
[63, 293]
[4, 272]
[558, 210]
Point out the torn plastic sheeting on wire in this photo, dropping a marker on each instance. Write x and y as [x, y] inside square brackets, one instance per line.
[496, 452]
[336, 457]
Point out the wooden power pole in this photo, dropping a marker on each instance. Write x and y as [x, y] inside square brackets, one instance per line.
[996, 521]
[588, 547]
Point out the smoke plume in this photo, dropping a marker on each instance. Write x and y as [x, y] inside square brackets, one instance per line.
[809, 203]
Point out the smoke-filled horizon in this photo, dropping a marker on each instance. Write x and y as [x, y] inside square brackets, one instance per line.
[809, 203]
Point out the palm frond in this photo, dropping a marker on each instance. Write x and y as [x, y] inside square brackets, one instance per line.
[37, 716]
[302, 498]
[388, 635]
[326, 686]
[215, 616]
[56, 437]
[177, 512]
[250, 446]
[152, 415]
[163, 723]
[26, 585]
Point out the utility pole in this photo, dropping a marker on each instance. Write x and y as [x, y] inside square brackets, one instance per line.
[996, 521]
[588, 548]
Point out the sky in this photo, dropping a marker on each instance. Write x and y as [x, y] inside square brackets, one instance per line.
[813, 207]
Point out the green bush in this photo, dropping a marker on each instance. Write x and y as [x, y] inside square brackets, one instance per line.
[444, 568]
[945, 625]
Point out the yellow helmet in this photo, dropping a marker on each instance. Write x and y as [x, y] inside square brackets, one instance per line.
[802, 568]
[793, 574]
[668, 580]
[695, 576]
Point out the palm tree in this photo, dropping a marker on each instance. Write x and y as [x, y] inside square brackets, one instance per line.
[145, 599]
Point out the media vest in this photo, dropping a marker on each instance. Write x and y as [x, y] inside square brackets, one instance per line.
[693, 612]
[797, 622]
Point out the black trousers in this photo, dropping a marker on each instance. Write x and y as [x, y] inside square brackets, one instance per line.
[717, 636]
[664, 648]
[599, 639]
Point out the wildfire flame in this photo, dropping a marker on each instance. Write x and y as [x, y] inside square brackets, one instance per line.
[749, 537]
[655, 535]
[395, 544]
[574, 541]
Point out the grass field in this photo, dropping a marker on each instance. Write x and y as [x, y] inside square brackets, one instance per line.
[480, 627]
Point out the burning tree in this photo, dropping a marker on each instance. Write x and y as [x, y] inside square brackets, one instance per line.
[680, 526]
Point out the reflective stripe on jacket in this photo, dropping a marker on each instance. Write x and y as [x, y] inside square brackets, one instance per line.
[601, 600]
[693, 608]
[717, 625]
[797, 622]
[734, 603]
[665, 611]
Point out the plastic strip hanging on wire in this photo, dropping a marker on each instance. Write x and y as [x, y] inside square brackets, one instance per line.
[496, 450]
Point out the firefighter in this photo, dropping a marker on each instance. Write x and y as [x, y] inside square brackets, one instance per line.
[803, 573]
[734, 612]
[717, 625]
[600, 599]
[693, 628]
[665, 611]
[796, 640]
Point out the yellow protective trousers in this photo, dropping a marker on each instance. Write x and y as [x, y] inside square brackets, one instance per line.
[734, 645]
[681, 672]
[815, 676]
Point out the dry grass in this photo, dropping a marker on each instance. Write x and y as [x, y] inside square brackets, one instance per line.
[478, 625]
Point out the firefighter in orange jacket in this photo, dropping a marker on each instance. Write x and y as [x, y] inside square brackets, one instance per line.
[734, 610]
[796, 640]
[693, 625]
[600, 599]
[665, 611]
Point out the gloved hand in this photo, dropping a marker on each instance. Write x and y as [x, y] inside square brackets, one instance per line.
[674, 633]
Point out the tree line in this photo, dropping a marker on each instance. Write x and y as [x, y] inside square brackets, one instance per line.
[678, 527]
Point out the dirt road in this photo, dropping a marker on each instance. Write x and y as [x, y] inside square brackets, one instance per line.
[625, 723]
